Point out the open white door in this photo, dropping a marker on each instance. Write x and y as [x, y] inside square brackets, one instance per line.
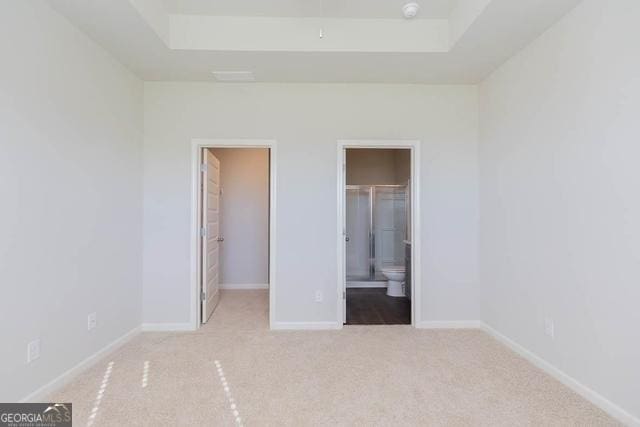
[211, 234]
[345, 237]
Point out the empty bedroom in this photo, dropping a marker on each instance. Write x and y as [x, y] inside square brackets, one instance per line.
[319, 212]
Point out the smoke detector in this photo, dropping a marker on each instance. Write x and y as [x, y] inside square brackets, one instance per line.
[410, 10]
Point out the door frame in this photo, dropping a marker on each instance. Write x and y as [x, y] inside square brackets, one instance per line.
[197, 145]
[416, 282]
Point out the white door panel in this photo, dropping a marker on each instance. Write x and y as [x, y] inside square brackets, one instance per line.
[210, 244]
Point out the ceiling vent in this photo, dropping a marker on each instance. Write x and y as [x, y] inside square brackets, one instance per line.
[234, 76]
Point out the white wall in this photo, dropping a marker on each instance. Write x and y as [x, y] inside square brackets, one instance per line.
[560, 200]
[307, 121]
[71, 192]
[244, 216]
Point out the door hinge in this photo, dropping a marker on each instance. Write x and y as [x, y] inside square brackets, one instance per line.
[203, 167]
[203, 231]
[344, 294]
[203, 296]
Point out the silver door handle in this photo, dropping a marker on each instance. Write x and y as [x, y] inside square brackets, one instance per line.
[220, 239]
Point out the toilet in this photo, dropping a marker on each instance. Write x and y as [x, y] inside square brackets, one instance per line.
[395, 288]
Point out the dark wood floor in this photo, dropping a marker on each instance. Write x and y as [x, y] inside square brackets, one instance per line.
[372, 306]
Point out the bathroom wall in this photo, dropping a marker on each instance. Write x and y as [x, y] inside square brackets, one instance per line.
[244, 215]
[378, 166]
[402, 166]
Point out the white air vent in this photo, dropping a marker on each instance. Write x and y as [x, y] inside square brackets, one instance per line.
[234, 76]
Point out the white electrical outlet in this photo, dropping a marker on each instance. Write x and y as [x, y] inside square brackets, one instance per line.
[33, 350]
[549, 328]
[318, 296]
[91, 321]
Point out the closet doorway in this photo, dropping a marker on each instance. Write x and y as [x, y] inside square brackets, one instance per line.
[220, 255]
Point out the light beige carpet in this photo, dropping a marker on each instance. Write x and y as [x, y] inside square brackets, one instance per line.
[362, 375]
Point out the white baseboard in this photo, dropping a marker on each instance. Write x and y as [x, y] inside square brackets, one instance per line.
[69, 375]
[366, 284]
[306, 326]
[449, 324]
[245, 286]
[166, 327]
[584, 391]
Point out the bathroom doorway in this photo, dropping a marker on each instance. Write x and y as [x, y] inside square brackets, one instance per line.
[376, 233]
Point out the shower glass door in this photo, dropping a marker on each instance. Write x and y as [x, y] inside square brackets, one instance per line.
[389, 227]
[358, 220]
[376, 217]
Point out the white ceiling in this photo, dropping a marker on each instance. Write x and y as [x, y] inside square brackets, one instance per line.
[389, 9]
[457, 41]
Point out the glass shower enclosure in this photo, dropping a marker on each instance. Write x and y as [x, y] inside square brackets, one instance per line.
[376, 227]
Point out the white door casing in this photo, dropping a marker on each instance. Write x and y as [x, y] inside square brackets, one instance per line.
[211, 234]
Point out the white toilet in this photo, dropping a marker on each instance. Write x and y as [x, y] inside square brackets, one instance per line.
[395, 288]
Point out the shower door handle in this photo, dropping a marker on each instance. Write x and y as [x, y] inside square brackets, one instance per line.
[372, 255]
[373, 245]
